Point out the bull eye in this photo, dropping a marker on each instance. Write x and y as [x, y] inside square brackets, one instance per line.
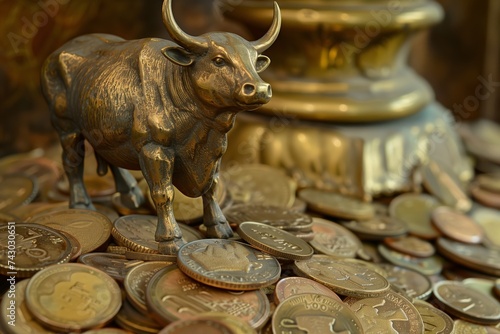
[219, 61]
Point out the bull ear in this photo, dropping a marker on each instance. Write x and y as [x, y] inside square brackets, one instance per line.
[262, 63]
[178, 55]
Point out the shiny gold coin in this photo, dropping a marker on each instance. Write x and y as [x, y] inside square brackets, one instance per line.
[489, 182]
[115, 265]
[435, 320]
[291, 286]
[455, 225]
[28, 248]
[228, 264]
[274, 241]
[410, 245]
[137, 232]
[333, 239]
[132, 320]
[415, 211]
[74, 244]
[428, 266]
[377, 228]
[72, 297]
[171, 295]
[336, 205]
[15, 317]
[462, 326]
[343, 277]
[91, 229]
[390, 313]
[260, 184]
[413, 283]
[467, 303]
[314, 313]
[488, 219]
[16, 190]
[237, 325]
[137, 280]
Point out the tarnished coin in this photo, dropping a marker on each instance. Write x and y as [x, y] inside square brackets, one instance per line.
[343, 277]
[134, 321]
[91, 229]
[488, 219]
[462, 326]
[476, 257]
[485, 197]
[336, 205]
[171, 295]
[72, 297]
[115, 265]
[389, 313]
[16, 190]
[260, 184]
[15, 317]
[137, 280]
[414, 284]
[428, 266]
[314, 313]
[410, 245]
[271, 215]
[456, 225]
[28, 248]
[333, 239]
[467, 303]
[228, 264]
[415, 211]
[489, 182]
[274, 241]
[435, 320]
[377, 228]
[137, 232]
[443, 183]
[291, 286]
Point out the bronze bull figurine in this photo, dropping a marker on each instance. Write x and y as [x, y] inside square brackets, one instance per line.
[157, 106]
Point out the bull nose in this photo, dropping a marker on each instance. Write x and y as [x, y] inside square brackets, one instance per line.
[256, 93]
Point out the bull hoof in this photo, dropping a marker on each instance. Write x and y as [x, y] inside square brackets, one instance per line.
[170, 247]
[134, 199]
[220, 231]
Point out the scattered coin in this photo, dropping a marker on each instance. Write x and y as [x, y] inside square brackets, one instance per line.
[462, 326]
[489, 182]
[435, 321]
[234, 324]
[107, 331]
[291, 286]
[228, 264]
[115, 265]
[485, 197]
[16, 190]
[410, 245]
[131, 319]
[377, 228]
[197, 325]
[97, 186]
[150, 256]
[123, 210]
[428, 266]
[481, 284]
[411, 282]
[457, 226]
[74, 244]
[488, 219]
[333, 239]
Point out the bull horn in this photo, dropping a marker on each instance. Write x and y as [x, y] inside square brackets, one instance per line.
[268, 39]
[183, 39]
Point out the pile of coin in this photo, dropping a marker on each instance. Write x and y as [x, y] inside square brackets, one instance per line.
[300, 261]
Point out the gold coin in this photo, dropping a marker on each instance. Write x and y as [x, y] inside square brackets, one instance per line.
[488, 219]
[137, 232]
[484, 285]
[132, 320]
[74, 244]
[429, 266]
[410, 245]
[106, 331]
[456, 225]
[150, 256]
[137, 280]
[16, 190]
[115, 249]
[28, 248]
[413, 283]
[274, 241]
[377, 228]
[489, 182]
[291, 286]
[343, 277]
[415, 211]
[228, 264]
[260, 184]
[15, 317]
[461, 326]
[97, 186]
[467, 303]
[485, 197]
[389, 313]
[197, 325]
[333, 239]
[72, 297]
[115, 265]
[314, 313]
[91, 229]
[171, 295]
[336, 205]
[435, 320]
[124, 210]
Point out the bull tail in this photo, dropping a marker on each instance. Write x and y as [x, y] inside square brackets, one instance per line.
[102, 165]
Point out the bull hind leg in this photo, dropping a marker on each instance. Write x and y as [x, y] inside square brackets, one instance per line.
[130, 194]
[213, 218]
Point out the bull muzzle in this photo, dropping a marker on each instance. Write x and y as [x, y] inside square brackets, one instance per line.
[259, 93]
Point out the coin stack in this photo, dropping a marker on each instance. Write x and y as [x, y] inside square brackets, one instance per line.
[300, 261]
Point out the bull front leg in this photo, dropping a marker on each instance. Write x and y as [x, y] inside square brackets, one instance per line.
[213, 218]
[157, 163]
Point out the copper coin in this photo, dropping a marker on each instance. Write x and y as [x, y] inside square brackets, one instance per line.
[489, 182]
[435, 320]
[274, 241]
[333, 239]
[171, 295]
[91, 229]
[115, 265]
[413, 283]
[485, 197]
[228, 264]
[28, 248]
[291, 286]
[467, 303]
[336, 205]
[412, 246]
[343, 277]
[457, 226]
[72, 297]
[314, 313]
[414, 210]
[390, 313]
[428, 266]
[377, 228]
[16, 190]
